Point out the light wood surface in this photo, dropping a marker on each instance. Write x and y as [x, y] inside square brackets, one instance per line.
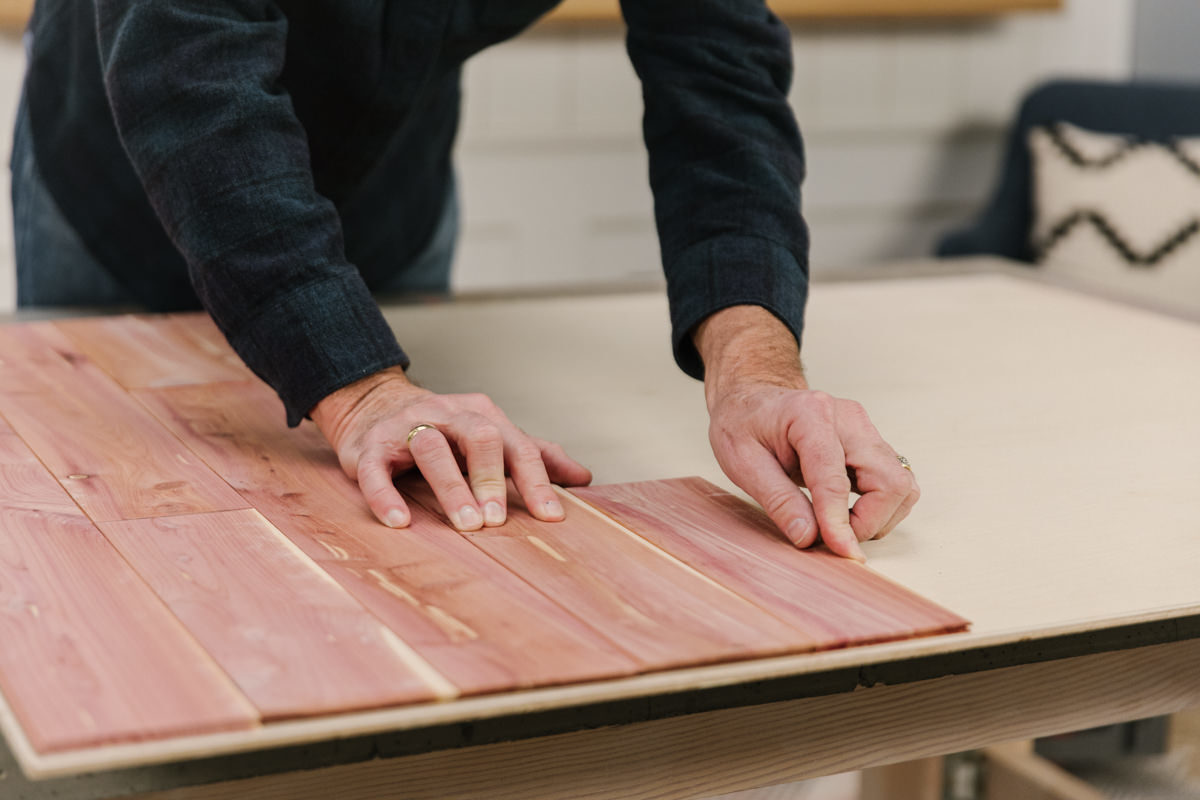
[293, 641]
[475, 622]
[725, 751]
[89, 655]
[109, 454]
[1016, 402]
[834, 599]
[14, 14]
[602, 10]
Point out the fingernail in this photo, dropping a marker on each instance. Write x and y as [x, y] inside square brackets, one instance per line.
[468, 519]
[493, 513]
[798, 531]
[554, 509]
[395, 518]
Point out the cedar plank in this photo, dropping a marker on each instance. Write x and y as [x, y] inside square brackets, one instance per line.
[110, 455]
[292, 640]
[651, 605]
[838, 601]
[147, 350]
[474, 621]
[90, 656]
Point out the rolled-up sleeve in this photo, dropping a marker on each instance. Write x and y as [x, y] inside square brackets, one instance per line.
[726, 159]
[195, 93]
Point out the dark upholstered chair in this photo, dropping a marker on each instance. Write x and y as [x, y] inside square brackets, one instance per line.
[1154, 111]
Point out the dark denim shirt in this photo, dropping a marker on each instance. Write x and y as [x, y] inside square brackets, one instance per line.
[274, 161]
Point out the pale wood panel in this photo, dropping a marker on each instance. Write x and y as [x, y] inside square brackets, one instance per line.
[836, 600]
[601, 10]
[112, 457]
[89, 655]
[473, 620]
[655, 608]
[156, 350]
[291, 638]
[724, 751]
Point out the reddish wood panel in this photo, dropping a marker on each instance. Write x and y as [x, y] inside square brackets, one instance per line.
[664, 613]
[112, 457]
[473, 620]
[839, 601]
[156, 350]
[292, 640]
[89, 654]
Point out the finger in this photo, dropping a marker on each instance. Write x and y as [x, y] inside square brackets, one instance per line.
[881, 481]
[560, 467]
[375, 482]
[906, 506]
[435, 460]
[529, 475]
[823, 466]
[756, 470]
[482, 446]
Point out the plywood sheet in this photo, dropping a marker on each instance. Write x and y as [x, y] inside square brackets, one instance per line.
[840, 602]
[656, 608]
[112, 457]
[89, 656]
[473, 620]
[292, 640]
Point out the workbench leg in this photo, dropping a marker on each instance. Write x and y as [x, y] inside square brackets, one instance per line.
[908, 780]
[1013, 773]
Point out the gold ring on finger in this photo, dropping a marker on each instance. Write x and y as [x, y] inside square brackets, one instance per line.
[424, 426]
[903, 462]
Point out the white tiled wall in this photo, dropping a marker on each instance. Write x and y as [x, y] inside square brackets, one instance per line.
[902, 124]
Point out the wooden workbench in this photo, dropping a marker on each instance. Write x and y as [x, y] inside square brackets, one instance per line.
[1058, 450]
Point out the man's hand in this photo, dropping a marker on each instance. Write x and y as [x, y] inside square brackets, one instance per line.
[771, 434]
[369, 422]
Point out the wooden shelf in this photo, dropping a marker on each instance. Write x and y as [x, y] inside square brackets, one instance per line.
[14, 14]
[601, 10]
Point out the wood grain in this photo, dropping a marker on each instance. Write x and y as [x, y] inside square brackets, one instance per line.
[661, 612]
[838, 601]
[292, 640]
[89, 655]
[149, 350]
[473, 620]
[110, 455]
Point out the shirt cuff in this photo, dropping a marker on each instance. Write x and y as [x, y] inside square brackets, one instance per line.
[316, 339]
[732, 271]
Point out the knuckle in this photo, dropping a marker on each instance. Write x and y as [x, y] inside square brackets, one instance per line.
[526, 451]
[833, 485]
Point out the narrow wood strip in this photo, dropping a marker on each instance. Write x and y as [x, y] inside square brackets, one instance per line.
[149, 350]
[838, 601]
[292, 640]
[112, 457]
[89, 655]
[473, 620]
[652, 606]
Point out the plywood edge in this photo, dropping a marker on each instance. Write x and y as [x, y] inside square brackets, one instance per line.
[864, 660]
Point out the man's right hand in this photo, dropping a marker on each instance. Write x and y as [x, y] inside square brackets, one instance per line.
[369, 422]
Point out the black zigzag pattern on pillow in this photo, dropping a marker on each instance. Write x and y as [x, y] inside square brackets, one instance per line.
[1058, 137]
[1101, 224]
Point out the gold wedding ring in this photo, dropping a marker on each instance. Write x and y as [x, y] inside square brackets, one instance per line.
[903, 462]
[417, 429]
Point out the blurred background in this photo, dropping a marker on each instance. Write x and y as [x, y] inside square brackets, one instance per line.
[903, 119]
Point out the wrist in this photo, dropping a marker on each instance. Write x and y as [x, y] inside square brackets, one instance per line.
[336, 408]
[740, 345]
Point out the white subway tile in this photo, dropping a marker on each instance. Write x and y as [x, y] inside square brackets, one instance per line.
[608, 94]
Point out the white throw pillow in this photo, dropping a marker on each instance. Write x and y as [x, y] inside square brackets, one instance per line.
[1118, 213]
